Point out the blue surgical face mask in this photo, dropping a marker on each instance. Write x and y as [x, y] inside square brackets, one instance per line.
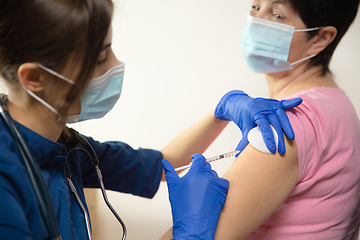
[98, 98]
[266, 45]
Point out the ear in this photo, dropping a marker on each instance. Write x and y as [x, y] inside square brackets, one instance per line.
[30, 77]
[322, 39]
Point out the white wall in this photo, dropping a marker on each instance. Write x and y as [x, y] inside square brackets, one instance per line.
[181, 57]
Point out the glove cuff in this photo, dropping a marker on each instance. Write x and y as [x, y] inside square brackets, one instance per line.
[188, 231]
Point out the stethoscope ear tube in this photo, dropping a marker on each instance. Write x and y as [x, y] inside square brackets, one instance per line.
[36, 178]
[95, 162]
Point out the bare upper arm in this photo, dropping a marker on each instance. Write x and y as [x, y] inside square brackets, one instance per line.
[259, 184]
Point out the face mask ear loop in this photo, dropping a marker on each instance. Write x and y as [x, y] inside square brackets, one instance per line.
[304, 59]
[307, 29]
[40, 100]
[55, 74]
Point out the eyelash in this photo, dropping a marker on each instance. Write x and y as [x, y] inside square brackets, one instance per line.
[277, 16]
[104, 60]
[101, 62]
[256, 8]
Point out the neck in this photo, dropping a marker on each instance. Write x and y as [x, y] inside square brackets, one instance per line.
[33, 115]
[284, 84]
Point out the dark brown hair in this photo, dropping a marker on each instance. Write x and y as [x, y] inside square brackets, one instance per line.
[48, 32]
[320, 13]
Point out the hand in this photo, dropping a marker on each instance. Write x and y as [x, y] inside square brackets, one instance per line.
[247, 112]
[196, 199]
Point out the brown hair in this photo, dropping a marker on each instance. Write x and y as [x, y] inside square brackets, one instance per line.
[48, 32]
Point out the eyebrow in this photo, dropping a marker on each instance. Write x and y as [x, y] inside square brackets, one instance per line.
[105, 47]
[279, 1]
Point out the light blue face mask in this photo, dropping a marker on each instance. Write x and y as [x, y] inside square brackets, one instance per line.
[99, 97]
[266, 45]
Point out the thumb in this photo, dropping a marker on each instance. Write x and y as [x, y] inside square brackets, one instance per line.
[170, 173]
[243, 143]
[287, 104]
[198, 160]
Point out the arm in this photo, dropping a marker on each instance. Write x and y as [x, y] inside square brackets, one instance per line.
[13, 221]
[246, 113]
[195, 139]
[254, 178]
[259, 184]
[120, 165]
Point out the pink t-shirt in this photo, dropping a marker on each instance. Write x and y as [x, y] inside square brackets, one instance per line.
[325, 202]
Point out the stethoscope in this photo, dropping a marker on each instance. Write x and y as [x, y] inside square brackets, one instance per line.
[37, 180]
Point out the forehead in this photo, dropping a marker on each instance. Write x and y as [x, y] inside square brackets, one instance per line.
[273, 1]
[276, 1]
[285, 4]
[109, 35]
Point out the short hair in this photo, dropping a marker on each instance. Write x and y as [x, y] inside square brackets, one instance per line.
[320, 13]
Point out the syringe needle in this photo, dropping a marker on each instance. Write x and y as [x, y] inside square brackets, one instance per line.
[212, 159]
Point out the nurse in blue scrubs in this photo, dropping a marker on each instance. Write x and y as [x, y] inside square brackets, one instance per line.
[57, 61]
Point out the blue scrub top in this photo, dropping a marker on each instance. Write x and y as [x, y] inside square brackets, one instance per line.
[124, 169]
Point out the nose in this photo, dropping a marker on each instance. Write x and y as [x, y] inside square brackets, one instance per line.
[113, 60]
[262, 15]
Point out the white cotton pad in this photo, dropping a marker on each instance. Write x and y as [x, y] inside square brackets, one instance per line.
[256, 139]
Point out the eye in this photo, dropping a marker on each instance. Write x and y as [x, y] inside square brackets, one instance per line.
[255, 8]
[277, 16]
[102, 57]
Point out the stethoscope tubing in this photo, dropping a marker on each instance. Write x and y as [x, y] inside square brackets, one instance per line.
[36, 178]
[95, 161]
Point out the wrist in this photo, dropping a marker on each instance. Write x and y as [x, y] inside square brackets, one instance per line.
[227, 103]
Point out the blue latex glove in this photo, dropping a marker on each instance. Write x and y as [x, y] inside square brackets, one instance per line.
[196, 199]
[247, 112]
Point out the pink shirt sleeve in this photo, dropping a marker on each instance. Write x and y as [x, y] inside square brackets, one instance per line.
[325, 202]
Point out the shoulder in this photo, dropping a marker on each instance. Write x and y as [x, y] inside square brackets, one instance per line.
[319, 102]
[325, 119]
[119, 155]
[321, 114]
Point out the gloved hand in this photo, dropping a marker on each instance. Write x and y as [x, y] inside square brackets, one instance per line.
[247, 112]
[196, 199]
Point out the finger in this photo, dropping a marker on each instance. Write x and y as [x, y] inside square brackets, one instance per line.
[287, 104]
[225, 184]
[222, 186]
[274, 121]
[207, 166]
[221, 182]
[198, 160]
[170, 173]
[242, 144]
[266, 132]
[214, 173]
[285, 123]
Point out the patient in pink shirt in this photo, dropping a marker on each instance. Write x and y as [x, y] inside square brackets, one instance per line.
[312, 191]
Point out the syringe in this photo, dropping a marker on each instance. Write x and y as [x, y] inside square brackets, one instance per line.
[212, 159]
